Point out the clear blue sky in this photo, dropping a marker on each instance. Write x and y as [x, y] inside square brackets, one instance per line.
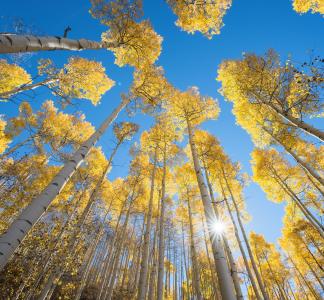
[250, 26]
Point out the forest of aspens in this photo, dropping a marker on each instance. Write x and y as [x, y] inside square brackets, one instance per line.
[148, 151]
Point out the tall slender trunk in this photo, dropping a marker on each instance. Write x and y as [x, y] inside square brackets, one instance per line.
[85, 273]
[14, 43]
[46, 260]
[135, 274]
[223, 273]
[128, 249]
[94, 246]
[245, 259]
[234, 272]
[298, 123]
[72, 243]
[12, 238]
[175, 274]
[280, 289]
[154, 265]
[48, 286]
[26, 87]
[142, 286]
[107, 266]
[211, 264]
[168, 279]
[17, 146]
[313, 292]
[315, 184]
[228, 251]
[108, 294]
[195, 268]
[306, 167]
[160, 289]
[307, 213]
[185, 260]
[257, 274]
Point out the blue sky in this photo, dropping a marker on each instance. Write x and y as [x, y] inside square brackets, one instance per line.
[188, 60]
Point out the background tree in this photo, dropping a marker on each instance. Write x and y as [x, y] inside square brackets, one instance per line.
[204, 16]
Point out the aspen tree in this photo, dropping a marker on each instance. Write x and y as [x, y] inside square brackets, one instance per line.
[185, 178]
[153, 149]
[273, 271]
[281, 95]
[227, 183]
[204, 16]
[283, 180]
[207, 147]
[20, 227]
[304, 247]
[189, 109]
[80, 78]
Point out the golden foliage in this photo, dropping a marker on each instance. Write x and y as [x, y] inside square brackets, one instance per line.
[85, 79]
[191, 106]
[12, 76]
[303, 6]
[204, 16]
[139, 44]
[4, 138]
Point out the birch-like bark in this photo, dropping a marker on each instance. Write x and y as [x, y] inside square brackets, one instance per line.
[211, 264]
[142, 286]
[160, 289]
[245, 259]
[298, 123]
[307, 169]
[26, 87]
[281, 291]
[307, 213]
[16, 147]
[195, 268]
[91, 256]
[46, 260]
[12, 238]
[152, 276]
[108, 294]
[108, 263]
[309, 286]
[231, 260]
[72, 244]
[85, 274]
[14, 43]
[223, 273]
[257, 274]
[132, 285]
[185, 260]
[234, 272]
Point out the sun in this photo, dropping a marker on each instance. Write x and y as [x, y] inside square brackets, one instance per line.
[218, 226]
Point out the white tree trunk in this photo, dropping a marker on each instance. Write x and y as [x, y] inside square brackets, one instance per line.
[254, 266]
[223, 273]
[13, 43]
[142, 286]
[27, 87]
[195, 267]
[11, 239]
[160, 289]
[298, 123]
[305, 166]
[245, 259]
[109, 292]
[230, 257]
